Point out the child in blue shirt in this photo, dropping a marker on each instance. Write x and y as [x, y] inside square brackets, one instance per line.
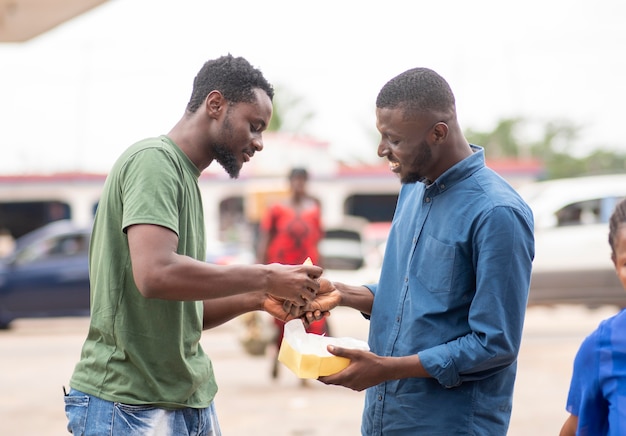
[597, 395]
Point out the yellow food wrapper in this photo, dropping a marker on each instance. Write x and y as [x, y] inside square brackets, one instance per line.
[305, 354]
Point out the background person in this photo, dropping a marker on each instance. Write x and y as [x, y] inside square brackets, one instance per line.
[597, 394]
[446, 316]
[289, 233]
[142, 369]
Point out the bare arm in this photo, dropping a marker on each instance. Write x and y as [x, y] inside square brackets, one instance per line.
[160, 272]
[356, 297]
[367, 369]
[217, 311]
[569, 426]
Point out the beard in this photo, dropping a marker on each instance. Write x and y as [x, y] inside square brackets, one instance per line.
[224, 154]
[226, 158]
[423, 158]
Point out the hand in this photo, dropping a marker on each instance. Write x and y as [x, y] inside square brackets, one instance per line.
[277, 308]
[285, 311]
[297, 284]
[366, 369]
[327, 298]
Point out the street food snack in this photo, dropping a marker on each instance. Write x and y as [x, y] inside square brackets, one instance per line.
[305, 354]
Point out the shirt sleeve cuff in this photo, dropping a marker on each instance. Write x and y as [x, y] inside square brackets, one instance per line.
[439, 364]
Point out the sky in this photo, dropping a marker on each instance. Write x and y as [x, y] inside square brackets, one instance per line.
[75, 97]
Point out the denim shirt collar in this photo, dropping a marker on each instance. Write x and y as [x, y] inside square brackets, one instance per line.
[459, 171]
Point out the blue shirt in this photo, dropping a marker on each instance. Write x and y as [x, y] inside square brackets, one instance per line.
[597, 392]
[453, 289]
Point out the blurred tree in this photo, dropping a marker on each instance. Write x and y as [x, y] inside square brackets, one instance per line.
[502, 141]
[555, 148]
[290, 112]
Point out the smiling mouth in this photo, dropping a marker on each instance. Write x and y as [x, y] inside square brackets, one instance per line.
[394, 166]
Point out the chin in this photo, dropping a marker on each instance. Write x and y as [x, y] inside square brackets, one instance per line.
[410, 178]
[232, 170]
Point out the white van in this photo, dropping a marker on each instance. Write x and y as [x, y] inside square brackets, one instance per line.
[572, 254]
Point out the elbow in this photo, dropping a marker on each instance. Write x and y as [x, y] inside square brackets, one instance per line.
[150, 285]
[506, 356]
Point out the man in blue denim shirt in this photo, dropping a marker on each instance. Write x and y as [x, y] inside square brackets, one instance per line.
[447, 314]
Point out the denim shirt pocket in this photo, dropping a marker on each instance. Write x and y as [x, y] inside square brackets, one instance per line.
[435, 265]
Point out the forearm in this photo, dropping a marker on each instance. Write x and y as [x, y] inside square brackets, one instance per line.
[570, 426]
[184, 278]
[405, 367]
[217, 311]
[356, 297]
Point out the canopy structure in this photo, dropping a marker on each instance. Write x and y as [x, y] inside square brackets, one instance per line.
[22, 20]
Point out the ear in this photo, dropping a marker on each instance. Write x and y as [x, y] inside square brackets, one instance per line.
[439, 132]
[214, 104]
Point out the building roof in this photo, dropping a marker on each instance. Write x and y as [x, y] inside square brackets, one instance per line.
[21, 20]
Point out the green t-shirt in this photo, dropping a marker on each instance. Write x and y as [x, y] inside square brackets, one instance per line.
[139, 350]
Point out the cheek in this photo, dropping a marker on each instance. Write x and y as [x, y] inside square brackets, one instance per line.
[620, 271]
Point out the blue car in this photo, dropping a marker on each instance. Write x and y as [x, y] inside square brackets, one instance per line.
[47, 274]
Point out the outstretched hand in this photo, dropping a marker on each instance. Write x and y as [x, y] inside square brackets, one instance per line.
[297, 284]
[327, 298]
[276, 307]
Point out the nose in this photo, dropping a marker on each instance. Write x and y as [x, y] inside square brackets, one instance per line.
[257, 143]
[382, 149]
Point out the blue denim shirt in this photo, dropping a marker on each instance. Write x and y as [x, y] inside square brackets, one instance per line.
[453, 289]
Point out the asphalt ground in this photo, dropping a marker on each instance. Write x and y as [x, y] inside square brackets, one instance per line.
[37, 357]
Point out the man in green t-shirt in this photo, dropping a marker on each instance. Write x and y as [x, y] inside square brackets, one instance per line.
[142, 369]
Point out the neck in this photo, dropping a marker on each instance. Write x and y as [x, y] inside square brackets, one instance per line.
[184, 137]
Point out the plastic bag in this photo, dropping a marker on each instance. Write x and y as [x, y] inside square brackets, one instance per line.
[305, 354]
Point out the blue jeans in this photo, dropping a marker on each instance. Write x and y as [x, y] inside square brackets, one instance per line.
[89, 415]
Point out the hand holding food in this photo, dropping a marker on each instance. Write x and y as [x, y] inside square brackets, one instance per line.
[297, 284]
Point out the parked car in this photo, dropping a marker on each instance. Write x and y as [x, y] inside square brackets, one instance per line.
[352, 251]
[343, 245]
[572, 255]
[47, 274]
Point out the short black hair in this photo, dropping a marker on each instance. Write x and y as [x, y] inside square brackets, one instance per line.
[417, 90]
[234, 77]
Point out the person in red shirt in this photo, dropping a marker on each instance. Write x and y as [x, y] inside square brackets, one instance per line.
[289, 233]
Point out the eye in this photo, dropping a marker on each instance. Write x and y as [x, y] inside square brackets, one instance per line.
[257, 128]
[391, 140]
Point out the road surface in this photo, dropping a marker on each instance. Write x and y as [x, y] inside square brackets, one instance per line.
[37, 358]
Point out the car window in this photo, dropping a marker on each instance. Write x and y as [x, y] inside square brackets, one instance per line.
[583, 212]
[594, 211]
[61, 246]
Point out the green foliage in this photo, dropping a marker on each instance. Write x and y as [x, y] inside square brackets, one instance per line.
[501, 141]
[554, 146]
[290, 113]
